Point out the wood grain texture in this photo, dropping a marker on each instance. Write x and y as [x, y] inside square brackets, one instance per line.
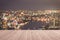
[29, 34]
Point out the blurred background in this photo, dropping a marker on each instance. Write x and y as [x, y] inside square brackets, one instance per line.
[30, 14]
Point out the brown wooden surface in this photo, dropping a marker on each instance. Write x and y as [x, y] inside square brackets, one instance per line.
[29, 34]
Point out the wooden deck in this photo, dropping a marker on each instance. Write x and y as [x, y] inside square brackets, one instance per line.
[29, 34]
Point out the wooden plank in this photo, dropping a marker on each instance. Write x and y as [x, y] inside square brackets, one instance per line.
[29, 34]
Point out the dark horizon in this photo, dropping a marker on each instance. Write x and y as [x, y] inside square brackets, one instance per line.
[29, 4]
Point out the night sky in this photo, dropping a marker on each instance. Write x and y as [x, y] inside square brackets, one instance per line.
[29, 4]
